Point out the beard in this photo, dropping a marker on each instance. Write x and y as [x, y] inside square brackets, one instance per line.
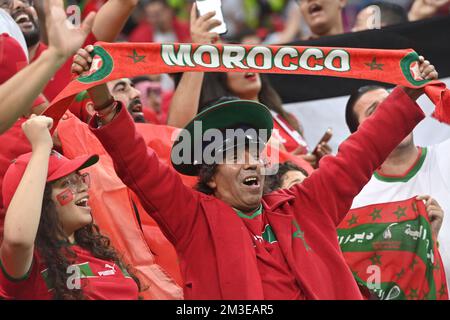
[31, 37]
[137, 117]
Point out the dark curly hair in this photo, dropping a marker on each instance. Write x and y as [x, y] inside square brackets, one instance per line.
[205, 174]
[275, 181]
[58, 257]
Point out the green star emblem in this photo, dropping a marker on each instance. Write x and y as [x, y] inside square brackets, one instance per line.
[400, 212]
[425, 295]
[443, 290]
[136, 57]
[400, 274]
[301, 235]
[413, 294]
[376, 259]
[374, 65]
[413, 263]
[352, 220]
[375, 214]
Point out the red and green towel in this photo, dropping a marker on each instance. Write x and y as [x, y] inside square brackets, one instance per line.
[392, 244]
[118, 60]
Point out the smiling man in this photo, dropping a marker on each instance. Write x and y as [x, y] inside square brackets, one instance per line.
[324, 17]
[234, 242]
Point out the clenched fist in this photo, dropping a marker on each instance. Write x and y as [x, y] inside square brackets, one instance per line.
[37, 131]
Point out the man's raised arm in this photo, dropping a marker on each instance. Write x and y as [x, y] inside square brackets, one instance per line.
[63, 43]
[330, 190]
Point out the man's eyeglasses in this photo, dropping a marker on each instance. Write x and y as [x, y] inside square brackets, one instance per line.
[74, 182]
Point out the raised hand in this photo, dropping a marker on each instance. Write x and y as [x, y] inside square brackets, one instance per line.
[201, 27]
[422, 9]
[37, 131]
[427, 72]
[63, 37]
[82, 60]
[435, 213]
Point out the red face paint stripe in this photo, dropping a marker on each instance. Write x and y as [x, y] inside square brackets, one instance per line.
[65, 197]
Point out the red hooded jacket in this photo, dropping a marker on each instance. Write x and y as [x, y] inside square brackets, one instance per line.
[216, 252]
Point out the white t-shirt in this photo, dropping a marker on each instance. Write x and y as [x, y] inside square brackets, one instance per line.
[429, 176]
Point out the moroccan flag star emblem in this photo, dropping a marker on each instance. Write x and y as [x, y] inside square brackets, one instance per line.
[374, 65]
[400, 274]
[443, 290]
[136, 57]
[299, 234]
[413, 263]
[376, 259]
[400, 212]
[353, 220]
[375, 214]
[413, 294]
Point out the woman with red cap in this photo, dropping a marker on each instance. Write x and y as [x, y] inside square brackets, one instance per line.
[51, 248]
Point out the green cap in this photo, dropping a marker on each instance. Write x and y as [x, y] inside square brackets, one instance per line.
[231, 114]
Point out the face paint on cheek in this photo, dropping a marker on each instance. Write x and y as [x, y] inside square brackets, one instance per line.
[65, 197]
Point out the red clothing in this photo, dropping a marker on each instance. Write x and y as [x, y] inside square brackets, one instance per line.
[144, 32]
[64, 75]
[150, 116]
[216, 251]
[278, 281]
[288, 136]
[100, 280]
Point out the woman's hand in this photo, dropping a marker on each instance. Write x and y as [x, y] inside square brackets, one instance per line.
[435, 213]
[201, 27]
[37, 131]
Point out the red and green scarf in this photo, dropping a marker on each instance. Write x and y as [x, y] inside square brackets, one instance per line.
[124, 60]
[391, 244]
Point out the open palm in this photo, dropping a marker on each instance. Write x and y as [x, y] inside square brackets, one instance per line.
[427, 8]
[62, 35]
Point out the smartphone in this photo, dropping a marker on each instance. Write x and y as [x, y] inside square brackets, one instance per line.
[325, 138]
[205, 6]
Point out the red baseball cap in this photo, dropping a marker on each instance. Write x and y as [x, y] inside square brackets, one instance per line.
[58, 167]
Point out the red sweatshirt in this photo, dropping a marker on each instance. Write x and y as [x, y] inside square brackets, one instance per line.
[215, 249]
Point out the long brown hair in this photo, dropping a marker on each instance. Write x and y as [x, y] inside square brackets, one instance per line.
[59, 257]
[215, 85]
